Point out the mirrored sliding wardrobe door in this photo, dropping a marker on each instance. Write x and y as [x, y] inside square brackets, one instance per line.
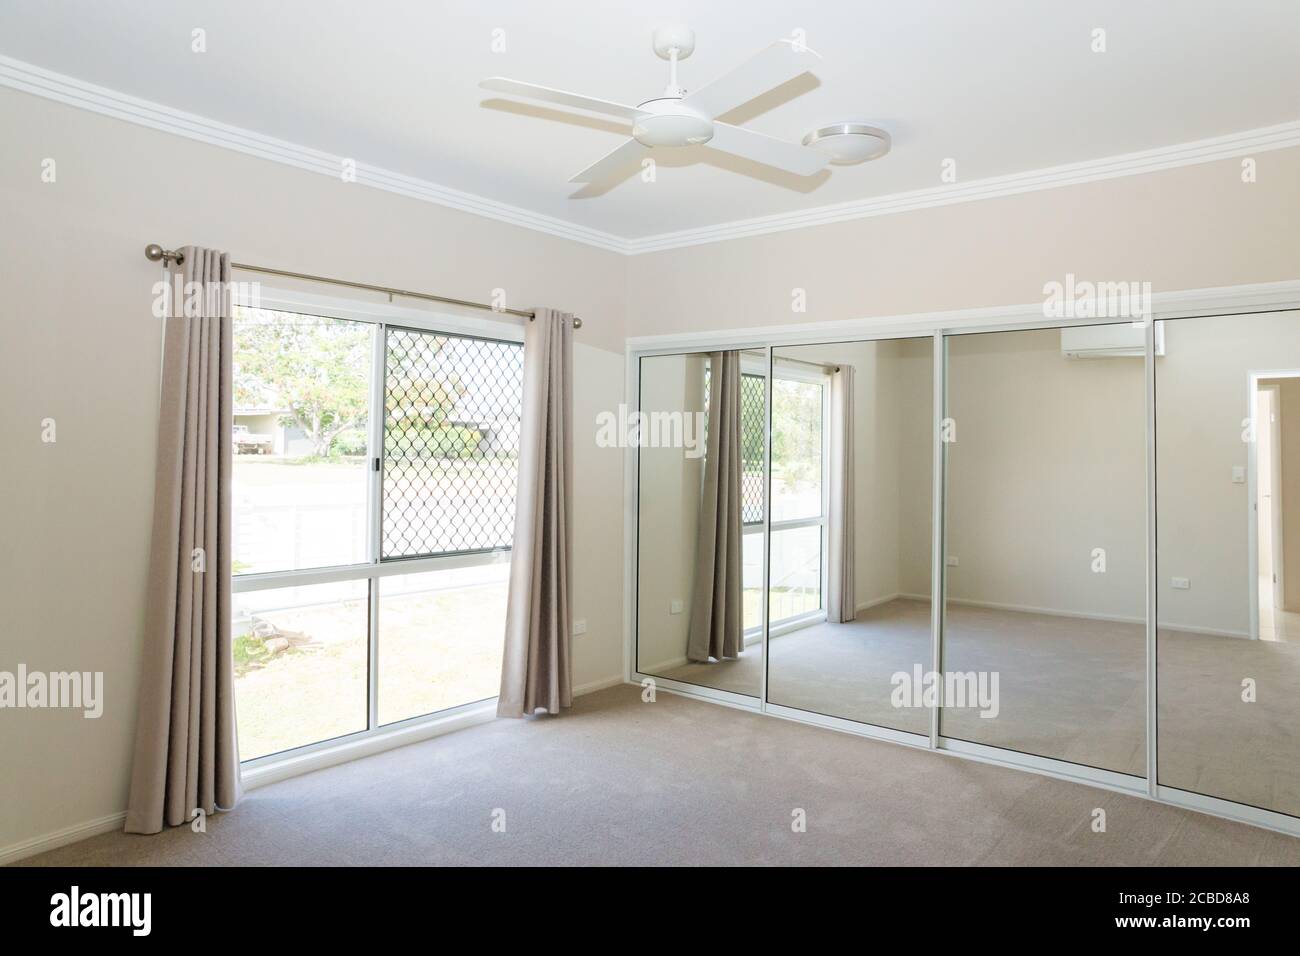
[1045, 537]
[850, 558]
[1228, 558]
[700, 481]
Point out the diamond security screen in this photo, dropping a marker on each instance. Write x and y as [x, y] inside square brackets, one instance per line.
[451, 443]
[751, 448]
[752, 388]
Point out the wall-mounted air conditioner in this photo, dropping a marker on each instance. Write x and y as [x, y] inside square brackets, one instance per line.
[1124, 340]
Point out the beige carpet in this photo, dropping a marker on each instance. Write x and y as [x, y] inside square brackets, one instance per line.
[1070, 688]
[618, 781]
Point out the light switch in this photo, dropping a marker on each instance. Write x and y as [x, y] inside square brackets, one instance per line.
[953, 561]
[1238, 474]
[1182, 584]
[675, 607]
[580, 626]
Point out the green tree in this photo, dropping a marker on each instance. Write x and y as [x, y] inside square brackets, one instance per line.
[316, 368]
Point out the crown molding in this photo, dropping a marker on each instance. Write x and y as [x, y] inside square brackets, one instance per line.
[99, 99]
[1264, 139]
[19, 75]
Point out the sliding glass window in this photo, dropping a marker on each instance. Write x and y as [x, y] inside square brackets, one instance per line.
[373, 500]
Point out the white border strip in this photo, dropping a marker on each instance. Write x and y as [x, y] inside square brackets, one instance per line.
[29, 78]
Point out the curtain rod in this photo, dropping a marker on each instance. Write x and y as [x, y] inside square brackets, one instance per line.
[824, 366]
[156, 253]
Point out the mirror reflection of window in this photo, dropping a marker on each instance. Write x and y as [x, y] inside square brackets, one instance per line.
[851, 492]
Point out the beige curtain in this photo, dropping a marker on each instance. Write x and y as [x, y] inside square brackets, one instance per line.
[840, 600]
[716, 628]
[186, 756]
[537, 670]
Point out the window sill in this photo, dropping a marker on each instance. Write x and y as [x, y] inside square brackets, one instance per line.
[277, 767]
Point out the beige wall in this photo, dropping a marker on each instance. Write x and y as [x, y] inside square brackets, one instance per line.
[1188, 228]
[668, 515]
[78, 344]
[1049, 463]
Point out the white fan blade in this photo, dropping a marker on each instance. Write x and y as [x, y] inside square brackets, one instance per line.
[500, 84]
[783, 60]
[612, 162]
[768, 150]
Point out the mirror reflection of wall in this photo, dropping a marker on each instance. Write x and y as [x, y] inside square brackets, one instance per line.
[1228, 558]
[1045, 539]
[700, 519]
[850, 492]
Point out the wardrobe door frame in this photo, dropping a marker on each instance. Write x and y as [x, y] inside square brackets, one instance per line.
[1241, 301]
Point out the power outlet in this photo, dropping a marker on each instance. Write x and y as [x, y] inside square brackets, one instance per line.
[580, 626]
[953, 561]
[1182, 584]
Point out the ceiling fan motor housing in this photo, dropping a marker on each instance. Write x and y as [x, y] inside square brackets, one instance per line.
[667, 122]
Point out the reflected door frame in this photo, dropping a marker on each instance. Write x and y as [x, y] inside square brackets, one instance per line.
[1254, 379]
[803, 372]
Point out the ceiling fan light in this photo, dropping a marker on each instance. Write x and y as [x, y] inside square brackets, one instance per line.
[672, 129]
[849, 143]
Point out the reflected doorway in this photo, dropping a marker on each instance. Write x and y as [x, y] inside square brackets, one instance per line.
[1276, 494]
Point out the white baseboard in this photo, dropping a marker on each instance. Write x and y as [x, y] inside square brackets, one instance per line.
[876, 602]
[1113, 618]
[661, 666]
[52, 841]
[592, 686]
[290, 767]
[1049, 611]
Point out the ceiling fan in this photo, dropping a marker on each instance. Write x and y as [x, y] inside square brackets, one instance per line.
[676, 118]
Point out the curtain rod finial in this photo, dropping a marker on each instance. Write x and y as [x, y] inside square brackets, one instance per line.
[156, 253]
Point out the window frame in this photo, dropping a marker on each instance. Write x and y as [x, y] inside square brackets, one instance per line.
[821, 377]
[382, 316]
[755, 366]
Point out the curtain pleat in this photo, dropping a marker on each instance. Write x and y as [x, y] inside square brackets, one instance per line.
[716, 628]
[186, 754]
[536, 667]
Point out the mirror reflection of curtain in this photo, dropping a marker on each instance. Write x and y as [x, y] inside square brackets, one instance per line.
[840, 600]
[716, 629]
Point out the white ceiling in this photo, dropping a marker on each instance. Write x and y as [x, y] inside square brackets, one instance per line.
[1001, 86]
